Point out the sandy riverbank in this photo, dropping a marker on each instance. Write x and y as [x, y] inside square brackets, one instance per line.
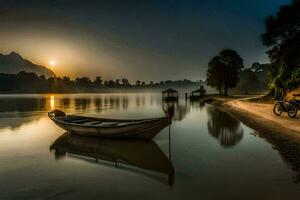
[259, 116]
[282, 132]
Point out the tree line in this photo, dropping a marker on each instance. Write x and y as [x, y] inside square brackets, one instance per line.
[29, 82]
[226, 71]
[281, 75]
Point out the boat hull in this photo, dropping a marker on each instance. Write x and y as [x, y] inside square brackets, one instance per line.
[146, 130]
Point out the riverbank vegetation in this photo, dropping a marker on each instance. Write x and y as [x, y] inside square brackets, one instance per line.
[226, 71]
[282, 37]
[281, 75]
[25, 82]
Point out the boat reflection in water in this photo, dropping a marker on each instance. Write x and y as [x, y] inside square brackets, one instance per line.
[140, 156]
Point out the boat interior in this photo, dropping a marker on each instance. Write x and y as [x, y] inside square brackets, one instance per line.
[90, 121]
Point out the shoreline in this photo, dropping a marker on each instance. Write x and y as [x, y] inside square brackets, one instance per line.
[259, 116]
[282, 136]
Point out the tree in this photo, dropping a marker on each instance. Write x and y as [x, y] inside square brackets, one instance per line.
[168, 82]
[125, 82]
[223, 70]
[257, 67]
[110, 83]
[138, 83]
[214, 73]
[264, 73]
[98, 81]
[83, 82]
[118, 82]
[282, 37]
[249, 81]
[42, 77]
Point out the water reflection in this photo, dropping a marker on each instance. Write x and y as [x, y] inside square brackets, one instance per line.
[22, 105]
[135, 155]
[197, 104]
[125, 103]
[176, 110]
[14, 112]
[97, 103]
[65, 102]
[195, 146]
[52, 103]
[82, 104]
[224, 128]
[288, 150]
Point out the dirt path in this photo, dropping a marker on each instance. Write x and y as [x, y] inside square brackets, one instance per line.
[265, 112]
[260, 116]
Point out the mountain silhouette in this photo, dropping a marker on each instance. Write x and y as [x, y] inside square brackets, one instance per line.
[13, 63]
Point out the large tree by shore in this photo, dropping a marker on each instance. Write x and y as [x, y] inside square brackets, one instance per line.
[223, 70]
[282, 36]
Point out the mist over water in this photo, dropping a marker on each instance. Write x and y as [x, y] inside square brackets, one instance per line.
[204, 154]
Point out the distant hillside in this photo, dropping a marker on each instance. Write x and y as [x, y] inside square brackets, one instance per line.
[13, 63]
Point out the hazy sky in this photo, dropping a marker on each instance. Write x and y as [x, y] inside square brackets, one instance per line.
[141, 39]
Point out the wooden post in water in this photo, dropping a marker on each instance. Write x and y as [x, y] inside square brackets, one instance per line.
[170, 143]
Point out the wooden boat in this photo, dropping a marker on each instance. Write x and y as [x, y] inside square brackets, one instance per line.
[109, 128]
[140, 156]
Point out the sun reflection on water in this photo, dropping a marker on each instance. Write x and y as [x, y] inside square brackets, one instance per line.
[52, 104]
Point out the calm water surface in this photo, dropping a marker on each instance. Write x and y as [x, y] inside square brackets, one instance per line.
[213, 155]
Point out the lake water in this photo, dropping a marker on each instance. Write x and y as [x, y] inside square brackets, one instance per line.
[212, 156]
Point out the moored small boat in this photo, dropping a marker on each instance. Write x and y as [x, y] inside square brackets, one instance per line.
[109, 128]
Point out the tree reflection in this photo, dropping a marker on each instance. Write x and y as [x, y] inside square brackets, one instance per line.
[65, 102]
[98, 104]
[124, 103]
[111, 102]
[175, 110]
[223, 127]
[82, 103]
[197, 104]
[22, 104]
[14, 112]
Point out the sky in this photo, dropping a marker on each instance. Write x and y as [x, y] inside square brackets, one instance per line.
[149, 40]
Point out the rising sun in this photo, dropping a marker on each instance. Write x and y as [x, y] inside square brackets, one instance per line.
[52, 63]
